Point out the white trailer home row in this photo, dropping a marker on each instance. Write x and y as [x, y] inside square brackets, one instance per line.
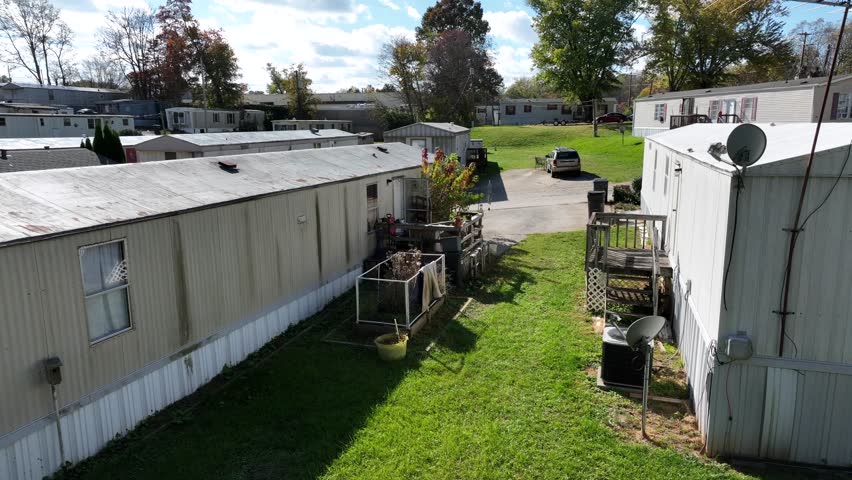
[211, 120]
[785, 101]
[146, 280]
[195, 145]
[293, 124]
[31, 125]
[791, 407]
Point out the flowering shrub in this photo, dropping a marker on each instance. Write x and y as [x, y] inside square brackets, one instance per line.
[449, 184]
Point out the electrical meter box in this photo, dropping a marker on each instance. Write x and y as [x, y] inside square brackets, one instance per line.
[738, 347]
[53, 370]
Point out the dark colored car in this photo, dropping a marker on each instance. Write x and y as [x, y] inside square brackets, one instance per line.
[612, 117]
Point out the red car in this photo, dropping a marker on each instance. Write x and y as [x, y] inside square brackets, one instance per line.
[612, 118]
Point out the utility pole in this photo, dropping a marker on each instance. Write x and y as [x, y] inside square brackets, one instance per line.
[802, 60]
[825, 62]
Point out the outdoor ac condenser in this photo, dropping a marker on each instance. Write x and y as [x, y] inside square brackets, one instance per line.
[620, 365]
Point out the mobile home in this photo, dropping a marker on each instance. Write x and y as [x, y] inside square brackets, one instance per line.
[74, 97]
[796, 100]
[193, 145]
[209, 120]
[345, 125]
[144, 281]
[786, 396]
[28, 125]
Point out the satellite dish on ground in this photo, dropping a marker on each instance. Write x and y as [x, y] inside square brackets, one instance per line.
[645, 327]
[746, 144]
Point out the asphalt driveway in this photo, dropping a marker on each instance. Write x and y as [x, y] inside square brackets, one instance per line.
[530, 201]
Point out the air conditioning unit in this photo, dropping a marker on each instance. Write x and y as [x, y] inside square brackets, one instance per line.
[621, 365]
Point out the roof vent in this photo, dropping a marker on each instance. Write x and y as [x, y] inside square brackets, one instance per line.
[314, 131]
[47, 147]
[382, 149]
[228, 166]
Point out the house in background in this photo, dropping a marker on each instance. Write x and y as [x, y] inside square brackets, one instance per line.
[29, 125]
[449, 137]
[785, 101]
[535, 111]
[210, 120]
[11, 107]
[195, 145]
[147, 280]
[74, 97]
[145, 113]
[728, 251]
[345, 125]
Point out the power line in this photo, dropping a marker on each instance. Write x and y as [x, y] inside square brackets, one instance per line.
[741, 6]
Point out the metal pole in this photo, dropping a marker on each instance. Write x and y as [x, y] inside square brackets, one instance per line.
[645, 379]
[58, 424]
[802, 60]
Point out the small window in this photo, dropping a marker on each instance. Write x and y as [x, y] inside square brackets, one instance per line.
[566, 109]
[527, 108]
[480, 109]
[41, 121]
[510, 109]
[125, 122]
[317, 145]
[552, 106]
[91, 122]
[171, 155]
[660, 112]
[230, 118]
[844, 102]
[105, 285]
[2, 121]
[372, 206]
[215, 117]
[66, 122]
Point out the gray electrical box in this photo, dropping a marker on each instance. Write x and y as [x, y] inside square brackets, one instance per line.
[738, 347]
[53, 370]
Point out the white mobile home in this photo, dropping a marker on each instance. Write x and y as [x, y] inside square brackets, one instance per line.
[345, 125]
[194, 145]
[210, 120]
[449, 137]
[785, 101]
[30, 125]
[146, 280]
[791, 405]
[74, 97]
[534, 111]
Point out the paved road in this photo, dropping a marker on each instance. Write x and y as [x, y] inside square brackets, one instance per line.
[530, 201]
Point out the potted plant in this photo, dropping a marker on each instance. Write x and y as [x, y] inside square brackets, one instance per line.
[392, 346]
[458, 220]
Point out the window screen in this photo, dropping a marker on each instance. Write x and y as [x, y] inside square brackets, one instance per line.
[372, 206]
[104, 271]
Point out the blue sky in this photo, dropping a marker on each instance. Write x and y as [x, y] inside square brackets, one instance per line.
[339, 40]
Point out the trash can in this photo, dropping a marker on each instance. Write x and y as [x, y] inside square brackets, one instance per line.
[596, 201]
[601, 185]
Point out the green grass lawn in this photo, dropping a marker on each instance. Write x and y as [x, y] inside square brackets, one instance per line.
[511, 147]
[504, 394]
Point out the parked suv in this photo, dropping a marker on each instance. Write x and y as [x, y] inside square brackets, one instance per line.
[563, 159]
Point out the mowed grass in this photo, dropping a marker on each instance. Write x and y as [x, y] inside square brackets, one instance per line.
[503, 394]
[511, 147]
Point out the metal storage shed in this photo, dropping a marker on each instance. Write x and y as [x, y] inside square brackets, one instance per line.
[201, 265]
[792, 407]
[449, 137]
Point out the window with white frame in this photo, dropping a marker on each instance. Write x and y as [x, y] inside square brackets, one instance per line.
[749, 109]
[105, 286]
[660, 112]
[372, 206]
[714, 109]
[317, 145]
[844, 105]
[215, 117]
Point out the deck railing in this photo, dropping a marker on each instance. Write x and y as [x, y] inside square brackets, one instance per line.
[677, 121]
[607, 230]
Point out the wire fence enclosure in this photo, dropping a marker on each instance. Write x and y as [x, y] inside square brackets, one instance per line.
[382, 299]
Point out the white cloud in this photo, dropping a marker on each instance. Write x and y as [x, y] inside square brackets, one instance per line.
[412, 12]
[513, 63]
[389, 4]
[514, 26]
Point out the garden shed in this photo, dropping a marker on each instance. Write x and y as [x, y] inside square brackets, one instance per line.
[145, 280]
[760, 389]
[449, 137]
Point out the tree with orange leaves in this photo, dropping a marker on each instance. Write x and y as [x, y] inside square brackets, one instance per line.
[450, 185]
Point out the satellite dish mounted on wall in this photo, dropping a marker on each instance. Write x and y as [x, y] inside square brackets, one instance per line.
[746, 144]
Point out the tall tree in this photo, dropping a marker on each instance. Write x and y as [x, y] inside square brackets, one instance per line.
[29, 26]
[218, 64]
[403, 64]
[581, 43]
[177, 45]
[101, 72]
[295, 83]
[127, 38]
[62, 58]
[530, 87]
[694, 44]
[446, 15]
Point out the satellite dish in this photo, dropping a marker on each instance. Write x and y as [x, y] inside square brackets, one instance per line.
[645, 327]
[746, 144]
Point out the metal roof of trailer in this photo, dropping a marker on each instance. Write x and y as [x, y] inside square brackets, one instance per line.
[39, 143]
[419, 128]
[242, 138]
[787, 146]
[792, 84]
[42, 204]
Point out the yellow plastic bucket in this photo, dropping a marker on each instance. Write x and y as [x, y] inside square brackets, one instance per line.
[389, 349]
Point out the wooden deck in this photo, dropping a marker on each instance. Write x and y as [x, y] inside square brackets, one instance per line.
[629, 261]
